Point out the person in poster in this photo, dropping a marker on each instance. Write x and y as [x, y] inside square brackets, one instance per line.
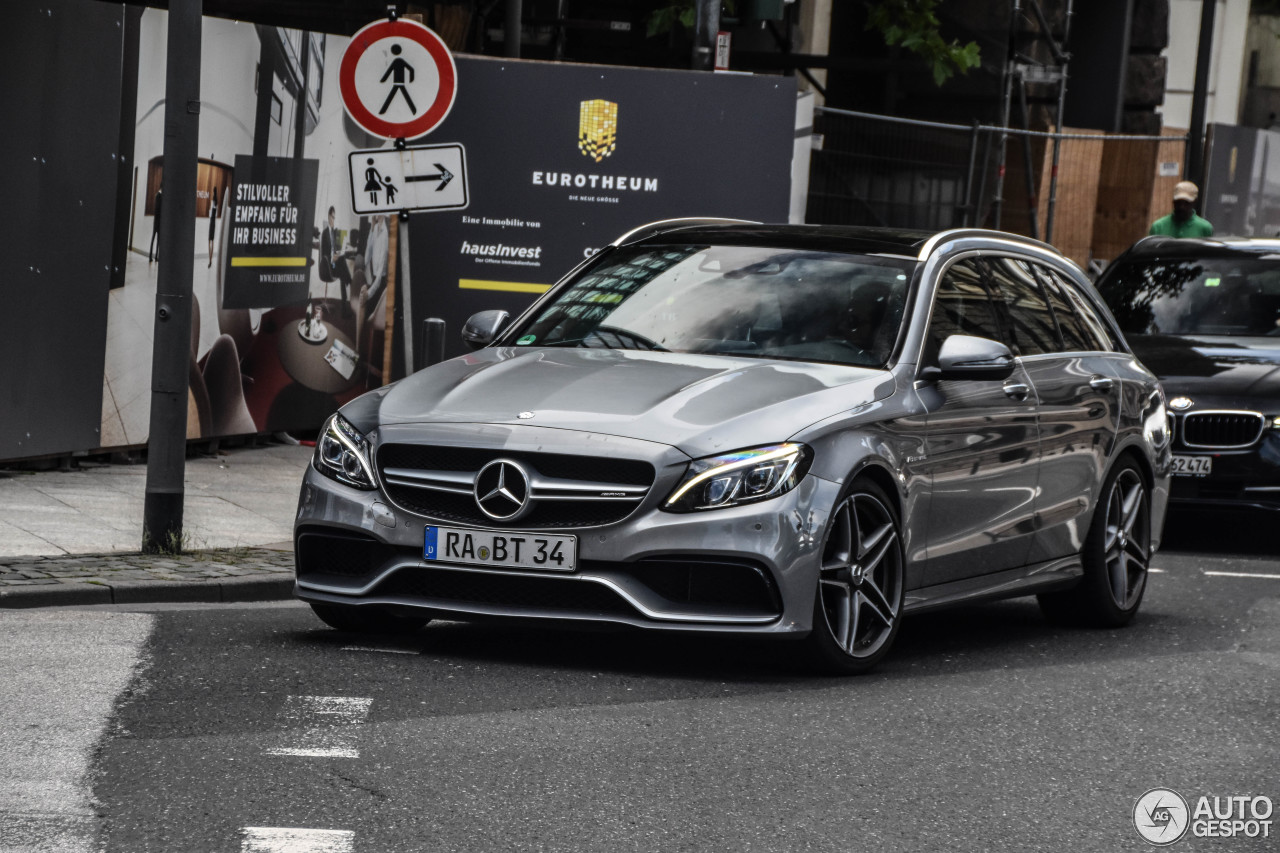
[213, 222]
[152, 254]
[375, 254]
[332, 263]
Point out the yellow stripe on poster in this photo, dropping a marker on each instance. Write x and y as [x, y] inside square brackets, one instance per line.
[508, 286]
[268, 262]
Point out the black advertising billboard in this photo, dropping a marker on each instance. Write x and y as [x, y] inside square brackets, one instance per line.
[59, 185]
[562, 159]
[268, 233]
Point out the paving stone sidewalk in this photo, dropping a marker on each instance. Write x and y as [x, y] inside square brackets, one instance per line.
[70, 536]
[227, 574]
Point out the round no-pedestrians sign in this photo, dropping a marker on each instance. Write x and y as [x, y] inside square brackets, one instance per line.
[397, 79]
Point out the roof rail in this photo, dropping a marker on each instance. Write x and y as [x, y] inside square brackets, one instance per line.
[661, 225]
[960, 233]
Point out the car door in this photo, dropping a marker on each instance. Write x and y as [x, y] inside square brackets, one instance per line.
[1079, 399]
[981, 443]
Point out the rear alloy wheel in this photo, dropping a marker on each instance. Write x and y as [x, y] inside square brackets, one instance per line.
[366, 619]
[1116, 557]
[858, 605]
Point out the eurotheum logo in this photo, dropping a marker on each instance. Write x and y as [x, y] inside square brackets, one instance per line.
[1162, 816]
[597, 128]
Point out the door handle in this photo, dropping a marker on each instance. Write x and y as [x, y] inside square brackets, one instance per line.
[1017, 390]
[1101, 383]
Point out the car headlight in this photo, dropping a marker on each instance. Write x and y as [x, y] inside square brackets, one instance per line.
[343, 454]
[1275, 422]
[743, 476]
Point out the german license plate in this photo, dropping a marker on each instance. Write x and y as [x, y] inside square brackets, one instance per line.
[1192, 466]
[501, 549]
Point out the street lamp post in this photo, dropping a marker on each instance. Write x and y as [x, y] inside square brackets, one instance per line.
[167, 438]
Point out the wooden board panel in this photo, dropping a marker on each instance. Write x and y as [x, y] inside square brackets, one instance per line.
[1125, 186]
[1079, 171]
[1172, 152]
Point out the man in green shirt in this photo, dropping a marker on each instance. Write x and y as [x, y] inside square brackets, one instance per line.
[1183, 222]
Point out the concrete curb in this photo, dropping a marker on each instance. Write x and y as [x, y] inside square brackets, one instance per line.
[275, 587]
[256, 573]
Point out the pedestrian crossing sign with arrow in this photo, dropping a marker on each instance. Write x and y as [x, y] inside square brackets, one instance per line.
[422, 177]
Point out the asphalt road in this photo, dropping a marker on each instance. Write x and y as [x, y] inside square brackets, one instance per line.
[254, 728]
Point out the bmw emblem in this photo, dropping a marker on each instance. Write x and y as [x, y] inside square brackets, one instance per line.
[1180, 403]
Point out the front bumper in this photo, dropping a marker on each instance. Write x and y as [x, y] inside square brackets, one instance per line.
[1240, 479]
[750, 569]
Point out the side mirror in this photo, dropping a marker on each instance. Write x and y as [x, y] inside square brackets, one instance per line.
[967, 357]
[481, 329]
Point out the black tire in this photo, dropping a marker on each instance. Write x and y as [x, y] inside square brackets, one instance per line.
[366, 619]
[1116, 556]
[857, 607]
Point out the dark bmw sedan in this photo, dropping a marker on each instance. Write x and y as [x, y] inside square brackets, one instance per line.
[785, 431]
[1204, 316]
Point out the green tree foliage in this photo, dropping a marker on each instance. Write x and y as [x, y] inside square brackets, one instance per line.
[913, 25]
[910, 24]
[682, 12]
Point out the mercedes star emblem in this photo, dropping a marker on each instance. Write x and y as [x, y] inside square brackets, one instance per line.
[502, 490]
[524, 416]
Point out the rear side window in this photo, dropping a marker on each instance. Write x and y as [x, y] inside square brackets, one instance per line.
[1026, 311]
[1075, 335]
[963, 305]
[1098, 333]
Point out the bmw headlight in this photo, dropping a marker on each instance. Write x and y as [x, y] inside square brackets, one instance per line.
[343, 454]
[743, 476]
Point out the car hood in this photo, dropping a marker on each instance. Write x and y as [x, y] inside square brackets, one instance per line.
[701, 404]
[1215, 366]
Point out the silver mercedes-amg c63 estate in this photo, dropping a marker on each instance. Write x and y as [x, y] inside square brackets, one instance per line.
[801, 431]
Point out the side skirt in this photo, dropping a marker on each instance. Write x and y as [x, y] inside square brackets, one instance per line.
[1061, 573]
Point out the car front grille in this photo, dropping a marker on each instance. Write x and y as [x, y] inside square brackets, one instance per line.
[570, 491]
[1221, 430]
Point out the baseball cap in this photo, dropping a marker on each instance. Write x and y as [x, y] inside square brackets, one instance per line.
[1185, 191]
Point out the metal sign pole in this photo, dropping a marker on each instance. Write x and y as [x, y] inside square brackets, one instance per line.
[405, 291]
[167, 439]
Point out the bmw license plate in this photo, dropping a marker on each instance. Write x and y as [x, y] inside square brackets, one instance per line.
[501, 549]
[1192, 466]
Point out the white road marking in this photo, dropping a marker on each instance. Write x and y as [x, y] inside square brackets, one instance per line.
[60, 673]
[330, 726]
[1243, 575]
[282, 839]
[381, 649]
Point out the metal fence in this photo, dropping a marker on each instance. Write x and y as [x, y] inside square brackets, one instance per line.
[1080, 191]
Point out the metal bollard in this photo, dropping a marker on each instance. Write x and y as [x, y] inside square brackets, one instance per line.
[432, 341]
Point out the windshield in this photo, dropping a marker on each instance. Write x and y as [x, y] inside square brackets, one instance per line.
[1202, 296]
[736, 300]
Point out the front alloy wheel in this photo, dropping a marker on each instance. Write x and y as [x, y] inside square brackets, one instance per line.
[858, 606]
